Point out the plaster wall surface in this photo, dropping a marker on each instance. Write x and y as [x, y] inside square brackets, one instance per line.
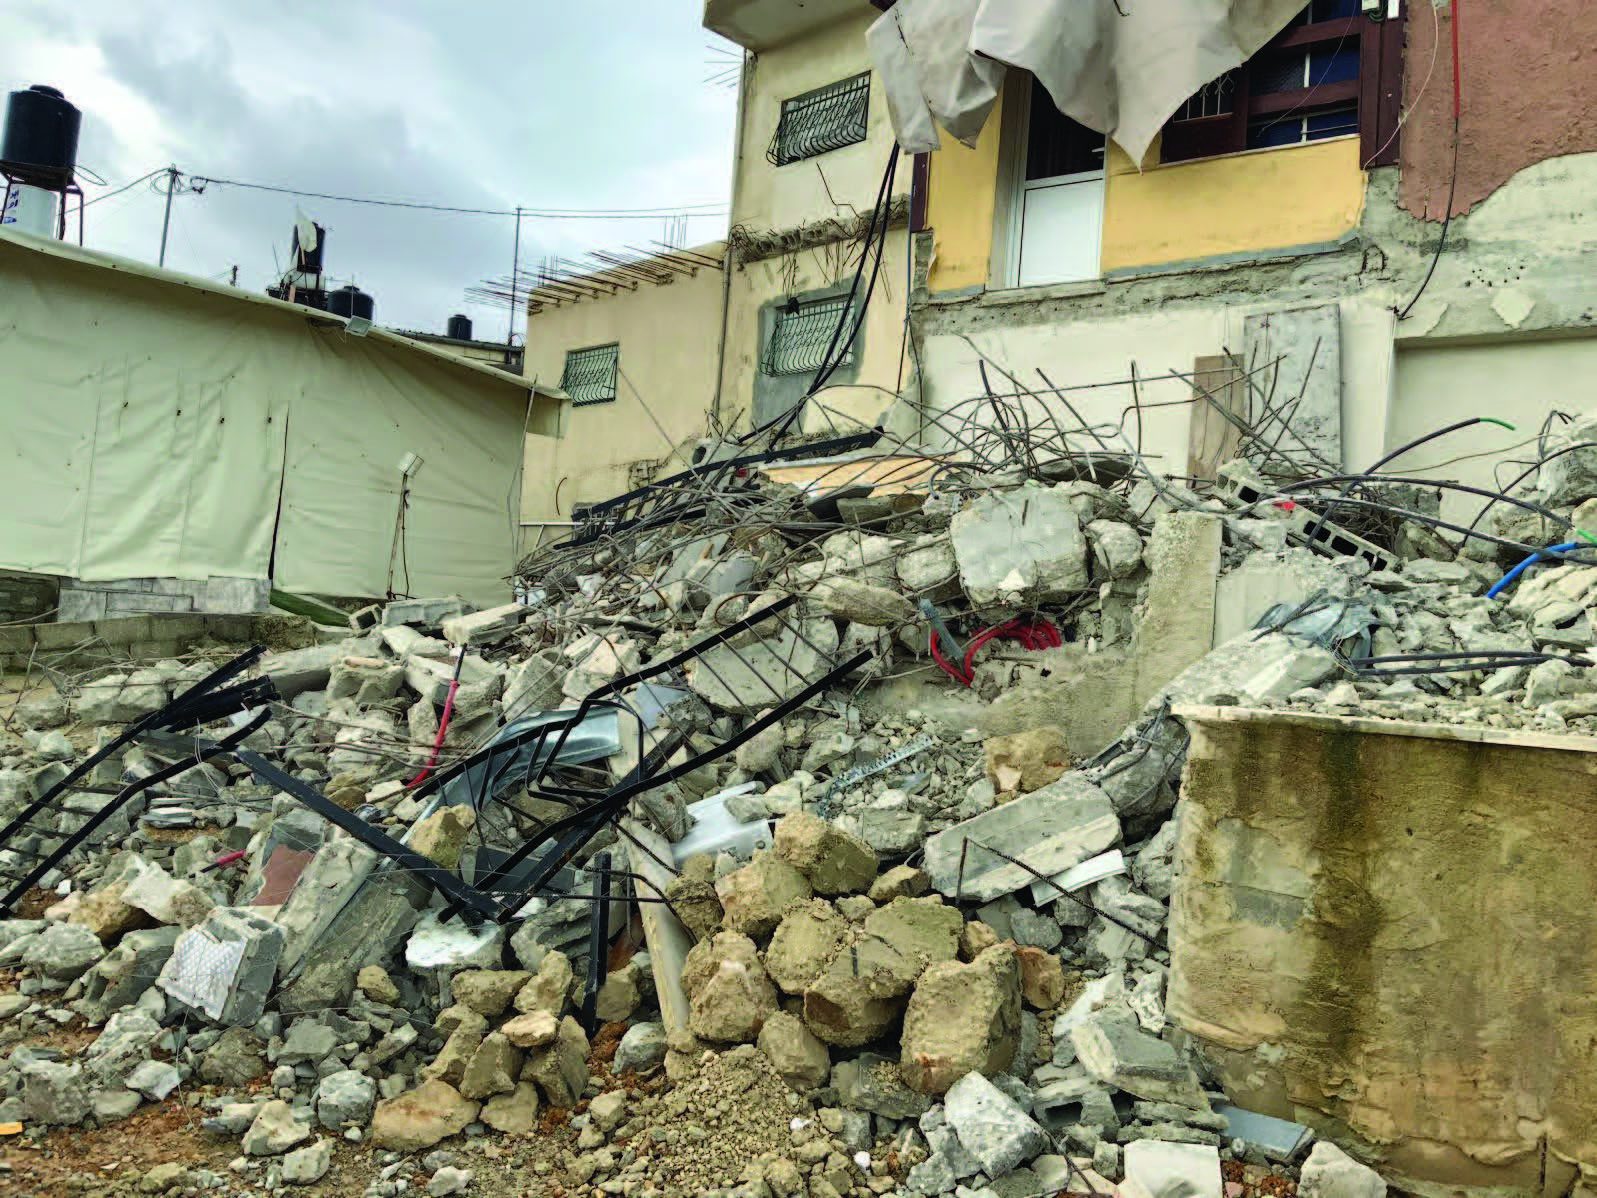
[668, 337]
[840, 182]
[1527, 87]
[1384, 930]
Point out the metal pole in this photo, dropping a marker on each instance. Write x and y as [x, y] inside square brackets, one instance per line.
[166, 221]
[515, 269]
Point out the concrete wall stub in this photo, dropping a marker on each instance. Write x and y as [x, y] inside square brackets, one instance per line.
[1385, 929]
[1184, 555]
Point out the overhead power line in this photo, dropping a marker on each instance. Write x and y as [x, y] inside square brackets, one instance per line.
[543, 213]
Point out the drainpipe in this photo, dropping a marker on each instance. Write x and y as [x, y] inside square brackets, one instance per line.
[727, 254]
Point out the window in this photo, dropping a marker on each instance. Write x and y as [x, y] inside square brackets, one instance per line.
[1332, 72]
[1057, 224]
[590, 375]
[826, 119]
[802, 335]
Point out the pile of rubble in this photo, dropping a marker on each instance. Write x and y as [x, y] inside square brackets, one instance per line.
[879, 947]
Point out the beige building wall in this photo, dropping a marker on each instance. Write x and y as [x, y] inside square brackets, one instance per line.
[840, 185]
[668, 335]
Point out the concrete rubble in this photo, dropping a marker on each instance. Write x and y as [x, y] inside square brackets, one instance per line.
[929, 976]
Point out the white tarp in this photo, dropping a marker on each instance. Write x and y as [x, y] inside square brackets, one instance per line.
[1121, 73]
[150, 425]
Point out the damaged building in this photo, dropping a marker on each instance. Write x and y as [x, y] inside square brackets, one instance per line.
[1115, 718]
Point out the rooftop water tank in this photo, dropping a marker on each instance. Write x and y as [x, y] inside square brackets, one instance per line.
[460, 327]
[39, 145]
[350, 301]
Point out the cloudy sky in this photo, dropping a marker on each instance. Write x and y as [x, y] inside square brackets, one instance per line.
[601, 104]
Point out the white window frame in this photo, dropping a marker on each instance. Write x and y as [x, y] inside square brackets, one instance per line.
[1016, 190]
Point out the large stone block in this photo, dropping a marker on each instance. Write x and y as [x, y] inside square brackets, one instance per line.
[962, 1019]
[1050, 830]
[421, 1118]
[755, 898]
[832, 860]
[730, 995]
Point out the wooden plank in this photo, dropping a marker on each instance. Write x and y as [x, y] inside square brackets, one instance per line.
[668, 940]
[1212, 439]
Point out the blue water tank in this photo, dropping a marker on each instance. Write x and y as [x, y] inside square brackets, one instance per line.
[460, 327]
[39, 145]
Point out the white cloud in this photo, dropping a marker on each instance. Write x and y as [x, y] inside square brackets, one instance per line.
[483, 104]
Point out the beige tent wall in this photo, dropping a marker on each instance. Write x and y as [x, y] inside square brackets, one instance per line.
[149, 424]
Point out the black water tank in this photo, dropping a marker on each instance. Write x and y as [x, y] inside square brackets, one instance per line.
[460, 327]
[40, 142]
[350, 301]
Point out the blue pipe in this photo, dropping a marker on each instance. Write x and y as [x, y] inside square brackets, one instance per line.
[1530, 561]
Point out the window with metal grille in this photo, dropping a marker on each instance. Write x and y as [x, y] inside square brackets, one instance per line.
[802, 335]
[828, 118]
[1334, 71]
[590, 375]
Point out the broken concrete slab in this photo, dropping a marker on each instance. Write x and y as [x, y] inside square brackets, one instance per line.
[747, 678]
[1158, 1169]
[1024, 544]
[991, 1126]
[300, 670]
[1114, 1048]
[1050, 829]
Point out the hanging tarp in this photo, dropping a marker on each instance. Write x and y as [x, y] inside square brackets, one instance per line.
[1122, 70]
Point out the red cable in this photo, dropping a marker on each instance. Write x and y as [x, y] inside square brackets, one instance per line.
[1032, 635]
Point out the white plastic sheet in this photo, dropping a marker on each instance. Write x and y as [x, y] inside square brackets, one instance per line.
[1121, 73]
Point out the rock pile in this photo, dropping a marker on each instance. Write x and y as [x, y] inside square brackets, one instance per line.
[925, 930]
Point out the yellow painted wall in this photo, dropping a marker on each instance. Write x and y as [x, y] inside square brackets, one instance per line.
[838, 183]
[962, 199]
[668, 337]
[1263, 200]
[842, 408]
[1241, 203]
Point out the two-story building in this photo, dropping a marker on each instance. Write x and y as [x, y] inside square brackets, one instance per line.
[1314, 240]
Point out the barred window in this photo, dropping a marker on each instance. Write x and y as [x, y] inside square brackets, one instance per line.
[826, 119]
[802, 335]
[590, 375]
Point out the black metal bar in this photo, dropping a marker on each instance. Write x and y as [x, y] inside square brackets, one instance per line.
[459, 892]
[598, 944]
[203, 753]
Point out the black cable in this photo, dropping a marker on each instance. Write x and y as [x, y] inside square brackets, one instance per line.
[1447, 219]
[1445, 484]
[538, 213]
[1404, 448]
[1537, 466]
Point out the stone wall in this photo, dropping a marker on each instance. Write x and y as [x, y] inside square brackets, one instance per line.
[1386, 929]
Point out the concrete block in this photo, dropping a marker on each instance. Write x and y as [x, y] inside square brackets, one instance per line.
[1159, 1169]
[423, 613]
[1022, 544]
[991, 1126]
[1331, 1173]
[483, 627]
[301, 670]
[1116, 1051]
[225, 966]
[1050, 830]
